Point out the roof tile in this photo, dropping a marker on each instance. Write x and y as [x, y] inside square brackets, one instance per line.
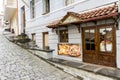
[53, 24]
[108, 11]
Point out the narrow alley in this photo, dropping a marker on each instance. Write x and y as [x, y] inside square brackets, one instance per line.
[18, 64]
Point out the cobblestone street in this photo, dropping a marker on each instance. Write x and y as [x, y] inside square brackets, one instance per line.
[17, 63]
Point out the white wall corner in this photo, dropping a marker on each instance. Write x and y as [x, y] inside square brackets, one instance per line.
[118, 6]
[118, 56]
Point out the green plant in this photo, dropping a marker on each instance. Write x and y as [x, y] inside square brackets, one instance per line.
[22, 38]
[47, 47]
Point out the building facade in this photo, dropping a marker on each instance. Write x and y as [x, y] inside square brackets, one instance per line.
[1, 20]
[11, 15]
[78, 30]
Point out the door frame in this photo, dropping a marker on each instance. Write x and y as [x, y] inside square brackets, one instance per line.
[91, 53]
[97, 42]
[23, 20]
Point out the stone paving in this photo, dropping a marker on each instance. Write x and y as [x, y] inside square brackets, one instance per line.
[17, 63]
[87, 71]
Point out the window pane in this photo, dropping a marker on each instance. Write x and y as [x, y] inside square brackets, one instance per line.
[87, 46]
[46, 6]
[64, 36]
[102, 39]
[69, 2]
[92, 39]
[106, 39]
[87, 39]
[32, 13]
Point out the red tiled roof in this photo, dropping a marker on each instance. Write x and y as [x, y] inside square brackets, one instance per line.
[53, 24]
[96, 14]
[99, 13]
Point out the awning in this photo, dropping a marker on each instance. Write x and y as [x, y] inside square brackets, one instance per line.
[96, 14]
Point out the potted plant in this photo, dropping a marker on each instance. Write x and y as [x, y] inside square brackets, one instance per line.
[47, 47]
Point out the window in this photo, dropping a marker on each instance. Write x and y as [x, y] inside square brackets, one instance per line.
[46, 6]
[32, 9]
[90, 39]
[67, 2]
[106, 39]
[63, 35]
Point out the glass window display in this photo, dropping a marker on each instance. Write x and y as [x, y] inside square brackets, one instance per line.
[106, 39]
[69, 49]
[90, 39]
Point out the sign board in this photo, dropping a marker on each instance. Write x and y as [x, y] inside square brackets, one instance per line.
[69, 49]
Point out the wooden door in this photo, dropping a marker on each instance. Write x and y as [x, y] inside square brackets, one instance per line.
[107, 45]
[89, 45]
[45, 39]
[99, 45]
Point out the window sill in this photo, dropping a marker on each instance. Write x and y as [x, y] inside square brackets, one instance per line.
[45, 13]
[44, 50]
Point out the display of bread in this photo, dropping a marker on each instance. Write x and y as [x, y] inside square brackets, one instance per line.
[106, 45]
[74, 50]
[69, 49]
[63, 49]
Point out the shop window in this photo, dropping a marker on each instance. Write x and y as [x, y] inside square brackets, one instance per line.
[67, 2]
[46, 6]
[69, 49]
[63, 35]
[32, 9]
[105, 39]
[90, 39]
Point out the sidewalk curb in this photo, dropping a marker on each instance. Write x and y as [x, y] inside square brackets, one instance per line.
[49, 62]
[57, 66]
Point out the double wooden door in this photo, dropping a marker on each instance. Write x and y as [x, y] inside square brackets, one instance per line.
[99, 45]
